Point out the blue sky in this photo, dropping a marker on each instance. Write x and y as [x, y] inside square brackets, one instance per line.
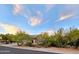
[37, 18]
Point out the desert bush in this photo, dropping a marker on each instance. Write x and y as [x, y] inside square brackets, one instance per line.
[47, 43]
[59, 39]
[23, 39]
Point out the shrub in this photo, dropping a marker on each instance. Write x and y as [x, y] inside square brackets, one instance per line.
[47, 43]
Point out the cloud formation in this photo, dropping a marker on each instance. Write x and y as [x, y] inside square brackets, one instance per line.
[50, 32]
[39, 14]
[17, 9]
[34, 21]
[70, 10]
[64, 17]
[11, 29]
[31, 20]
[72, 7]
[49, 7]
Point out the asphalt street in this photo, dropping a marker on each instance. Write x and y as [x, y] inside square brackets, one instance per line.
[9, 50]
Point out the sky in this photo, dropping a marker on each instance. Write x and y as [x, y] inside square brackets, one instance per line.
[37, 18]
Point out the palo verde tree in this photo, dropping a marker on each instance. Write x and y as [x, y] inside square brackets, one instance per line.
[73, 37]
[23, 38]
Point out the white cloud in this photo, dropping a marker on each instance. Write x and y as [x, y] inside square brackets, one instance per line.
[11, 29]
[72, 7]
[64, 17]
[70, 10]
[17, 9]
[50, 32]
[39, 14]
[49, 7]
[34, 21]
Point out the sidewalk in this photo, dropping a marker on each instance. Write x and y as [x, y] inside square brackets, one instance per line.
[51, 49]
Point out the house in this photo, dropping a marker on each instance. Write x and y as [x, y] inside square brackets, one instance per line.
[34, 41]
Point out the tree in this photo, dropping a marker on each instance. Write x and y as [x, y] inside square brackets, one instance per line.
[59, 37]
[72, 36]
[23, 39]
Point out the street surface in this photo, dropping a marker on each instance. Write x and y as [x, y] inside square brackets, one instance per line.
[9, 50]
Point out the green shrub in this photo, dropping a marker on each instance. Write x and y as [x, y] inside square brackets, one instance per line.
[47, 43]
